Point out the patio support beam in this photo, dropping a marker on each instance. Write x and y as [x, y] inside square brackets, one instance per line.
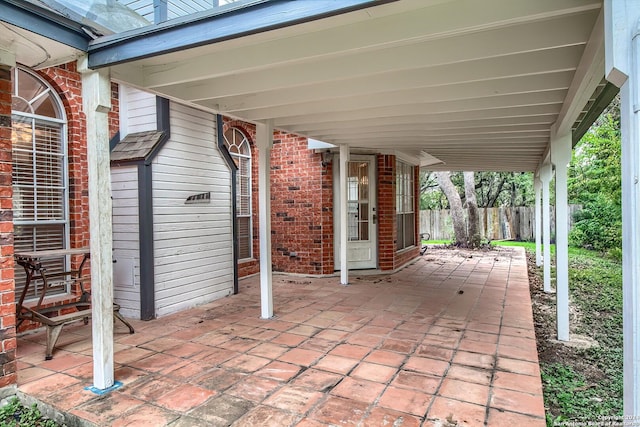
[96, 100]
[264, 140]
[561, 156]
[622, 43]
[344, 218]
[537, 185]
[545, 178]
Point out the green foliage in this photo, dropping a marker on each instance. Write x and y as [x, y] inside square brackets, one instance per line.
[14, 414]
[598, 225]
[595, 183]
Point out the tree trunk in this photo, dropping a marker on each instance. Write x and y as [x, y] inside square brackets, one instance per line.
[455, 206]
[473, 229]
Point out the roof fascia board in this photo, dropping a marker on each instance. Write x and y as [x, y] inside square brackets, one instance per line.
[45, 23]
[213, 28]
[601, 103]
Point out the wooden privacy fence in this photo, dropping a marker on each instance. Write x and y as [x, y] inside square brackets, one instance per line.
[516, 223]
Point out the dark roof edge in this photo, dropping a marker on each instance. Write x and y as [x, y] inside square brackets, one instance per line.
[171, 37]
[45, 22]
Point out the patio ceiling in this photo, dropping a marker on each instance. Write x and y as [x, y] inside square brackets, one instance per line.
[475, 85]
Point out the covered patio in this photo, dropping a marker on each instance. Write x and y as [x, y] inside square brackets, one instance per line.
[446, 341]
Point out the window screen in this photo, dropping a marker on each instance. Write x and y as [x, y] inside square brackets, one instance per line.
[405, 206]
[39, 175]
[238, 145]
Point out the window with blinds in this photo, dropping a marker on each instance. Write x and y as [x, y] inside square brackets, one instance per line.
[405, 206]
[39, 175]
[238, 145]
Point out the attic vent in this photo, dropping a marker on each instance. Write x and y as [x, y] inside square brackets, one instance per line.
[198, 198]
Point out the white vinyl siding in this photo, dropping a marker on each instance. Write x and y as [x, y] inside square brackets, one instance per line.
[137, 111]
[193, 243]
[126, 246]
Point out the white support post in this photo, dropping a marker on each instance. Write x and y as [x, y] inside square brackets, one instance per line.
[96, 100]
[537, 185]
[545, 178]
[264, 140]
[344, 218]
[561, 156]
[622, 44]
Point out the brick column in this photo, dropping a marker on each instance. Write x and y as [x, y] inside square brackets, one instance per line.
[387, 229]
[7, 286]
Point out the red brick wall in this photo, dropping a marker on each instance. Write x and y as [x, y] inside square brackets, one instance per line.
[388, 257]
[7, 286]
[301, 206]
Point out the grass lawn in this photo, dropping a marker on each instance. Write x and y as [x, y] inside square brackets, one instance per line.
[581, 385]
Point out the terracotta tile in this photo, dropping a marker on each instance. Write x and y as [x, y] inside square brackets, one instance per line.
[219, 379]
[441, 341]
[219, 356]
[127, 375]
[63, 361]
[374, 372]
[398, 346]
[146, 416]
[455, 412]
[350, 351]
[518, 366]
[294, 399]
[268, 350]
[131, 354]
[515, 401]
[290, 340]
[307, 422]
[425, 383]
[318, 344]
[388, 358]
[239, 345]
[70, 397]
[478, 347]
[517, 382]
[406, 335]
[498, 418]
[465, 391]
[357, 389]
[474, 375]
[222, 410]
[253, 388]
[529, 354]
[246, 363]
[280, 371]
[151, 387]
[388, 417]
[266, 416]
[300, 356]
[317, 380]
[518, 332]
[261, 334]
[337, 364]
[159, 362]
[434, 352]
[304, 330]
[107, 409]
[48, 385]
[339, 411]
[161, 344]
[406, 400]
[190, 371]
[332, 335]
[33, 373]
[477, 360]
[426, 366]
[365, 340]
[188, 350]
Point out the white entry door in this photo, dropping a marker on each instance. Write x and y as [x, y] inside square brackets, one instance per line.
[362, 229]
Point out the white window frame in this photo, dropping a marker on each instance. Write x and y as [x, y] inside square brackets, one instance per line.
[61, 121]
[243, 151]
[405, 203]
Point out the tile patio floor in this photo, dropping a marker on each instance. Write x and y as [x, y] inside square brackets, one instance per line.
[447, 341]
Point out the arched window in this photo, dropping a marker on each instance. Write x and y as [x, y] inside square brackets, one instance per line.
[39, 176]
[238, 145]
